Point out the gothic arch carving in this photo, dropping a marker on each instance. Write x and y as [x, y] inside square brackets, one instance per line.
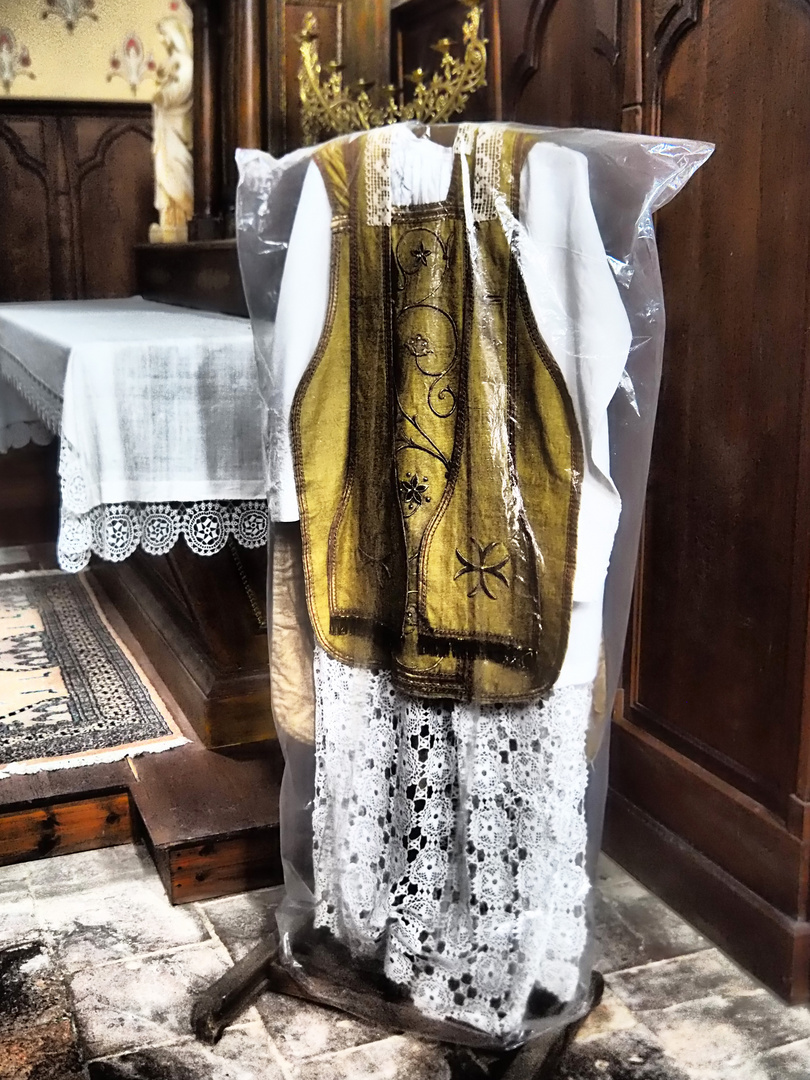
[21, 155]
[527, 64]
[111, 136]
[672, 19]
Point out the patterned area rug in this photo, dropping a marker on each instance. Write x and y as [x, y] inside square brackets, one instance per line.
[71, 693]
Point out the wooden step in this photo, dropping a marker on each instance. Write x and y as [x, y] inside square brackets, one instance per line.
[210, 820]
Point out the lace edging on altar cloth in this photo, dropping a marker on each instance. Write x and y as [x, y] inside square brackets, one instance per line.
[45, 403]
[114, 531]
[21, 433]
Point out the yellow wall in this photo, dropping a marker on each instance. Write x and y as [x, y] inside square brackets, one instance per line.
[75, 65]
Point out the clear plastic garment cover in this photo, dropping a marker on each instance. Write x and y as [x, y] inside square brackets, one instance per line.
[459, 331]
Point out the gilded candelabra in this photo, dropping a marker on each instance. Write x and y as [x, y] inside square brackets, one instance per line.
[330, 108]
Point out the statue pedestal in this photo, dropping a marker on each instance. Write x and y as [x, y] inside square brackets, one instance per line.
[201, 274]
[168, 234]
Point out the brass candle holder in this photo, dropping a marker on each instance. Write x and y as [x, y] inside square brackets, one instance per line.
[330, 108]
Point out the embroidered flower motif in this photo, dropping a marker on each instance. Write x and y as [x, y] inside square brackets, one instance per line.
[412, 491]
[482, 567]
[418, 345]
[421, 253]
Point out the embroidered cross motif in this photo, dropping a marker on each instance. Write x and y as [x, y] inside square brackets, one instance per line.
[421, 253]
[378, 564]
[482, 567]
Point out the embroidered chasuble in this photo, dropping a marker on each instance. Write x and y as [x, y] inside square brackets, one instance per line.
[438, 460]
[450, 475]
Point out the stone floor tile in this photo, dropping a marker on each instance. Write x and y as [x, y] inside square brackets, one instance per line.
[245, 920]
[623, 1055]
[690, 1014]
[118, 921]
[303, 1030]
[242, 1054]
[397, 1058]
[32, 990]
[727, 1032]
[609, 1016]
[19, 919]
[142, 1002]
[634, 928]
[685, 978]
[786, 1062]
[47, 1052]
[612, 878]
[13, 879]
[67, 874]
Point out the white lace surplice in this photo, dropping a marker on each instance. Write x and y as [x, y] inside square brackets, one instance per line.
[456, 834]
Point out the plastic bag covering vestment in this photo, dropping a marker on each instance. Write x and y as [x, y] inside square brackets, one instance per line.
[459, 333]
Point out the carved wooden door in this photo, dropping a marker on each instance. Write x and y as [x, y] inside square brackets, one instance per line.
[710, 777]
[711, 791]
[562, 62]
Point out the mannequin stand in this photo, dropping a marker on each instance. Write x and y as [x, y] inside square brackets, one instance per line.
[259, 972]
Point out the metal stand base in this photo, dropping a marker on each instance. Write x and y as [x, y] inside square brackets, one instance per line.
[259, 972]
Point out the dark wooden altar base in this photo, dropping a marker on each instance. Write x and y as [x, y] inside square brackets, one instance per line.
[209, 818]
[29, 495]
[194, 620]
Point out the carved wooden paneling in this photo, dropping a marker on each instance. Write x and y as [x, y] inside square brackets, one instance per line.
[666, 24]
[114, 204]
[670, 20]
[561, 62]
[24, 199]
[713, 751]
[722, 577]
[76, 193]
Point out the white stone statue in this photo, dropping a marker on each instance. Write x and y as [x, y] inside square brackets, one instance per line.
[172, 135]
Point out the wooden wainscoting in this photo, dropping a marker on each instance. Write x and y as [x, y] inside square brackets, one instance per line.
[76, 193]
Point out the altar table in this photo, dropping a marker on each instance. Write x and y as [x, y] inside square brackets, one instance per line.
[159, 414]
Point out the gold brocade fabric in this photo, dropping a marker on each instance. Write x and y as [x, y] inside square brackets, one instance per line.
[292, 683]
[438, 458]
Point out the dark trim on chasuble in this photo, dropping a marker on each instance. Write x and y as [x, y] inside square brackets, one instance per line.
[438, 459]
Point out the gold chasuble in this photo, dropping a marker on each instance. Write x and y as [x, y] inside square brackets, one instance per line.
[438, 458]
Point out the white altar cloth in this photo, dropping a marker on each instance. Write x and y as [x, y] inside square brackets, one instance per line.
[160, 417]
